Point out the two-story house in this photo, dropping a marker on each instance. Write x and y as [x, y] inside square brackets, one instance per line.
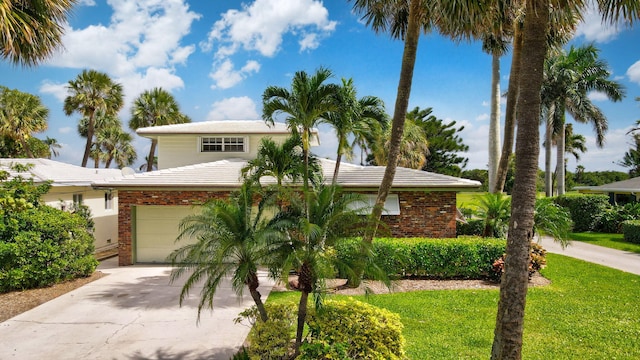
[200, 161]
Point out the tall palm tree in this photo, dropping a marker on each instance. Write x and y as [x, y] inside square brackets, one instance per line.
[307, 103]
[21, 115]
[281, 161]
[92, 92]
[155, 107]
[31, 30]
[101, 121]
[232, 237]
[116, 144]
[569, 77]
[53, 145]
[507, 343]
[353, 115]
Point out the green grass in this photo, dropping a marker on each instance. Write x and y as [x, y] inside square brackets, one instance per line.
[468, 199]
[613, 241]
[588, 312]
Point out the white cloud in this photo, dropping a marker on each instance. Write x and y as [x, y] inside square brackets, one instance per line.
[226, 76]
[235, 108]
[482, 117]
[594, 29]
[634, 72]
[59, 91]
[87, 2]
[597, 96]
[65, 130]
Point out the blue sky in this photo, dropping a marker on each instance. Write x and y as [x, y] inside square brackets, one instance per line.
[217, 57]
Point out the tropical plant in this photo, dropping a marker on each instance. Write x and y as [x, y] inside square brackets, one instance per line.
[631, 158]
[280, 161]
[308, 102]
[91, 93]
[494, 209]
[115, 144]
[507, 342]
[21, 115]
[413, 151]
[355, 117]
[31, 30]
[444, 143]
[231, 239]
[53, 145]
[155, 107]
[552, 220]
[568, 78]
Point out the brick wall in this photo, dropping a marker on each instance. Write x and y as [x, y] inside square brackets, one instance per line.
[430, 214]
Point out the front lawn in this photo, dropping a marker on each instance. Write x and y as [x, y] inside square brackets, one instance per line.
[588, 312]
[613, 241]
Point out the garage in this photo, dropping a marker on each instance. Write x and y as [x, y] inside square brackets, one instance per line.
[157, 228]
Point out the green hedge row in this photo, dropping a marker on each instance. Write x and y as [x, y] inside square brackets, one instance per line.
[457, 258]
[631, 231]
[586, 210]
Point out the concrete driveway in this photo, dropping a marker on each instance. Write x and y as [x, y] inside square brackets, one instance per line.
[132, 313]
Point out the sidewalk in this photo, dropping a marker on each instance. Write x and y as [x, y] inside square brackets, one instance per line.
[617, 259]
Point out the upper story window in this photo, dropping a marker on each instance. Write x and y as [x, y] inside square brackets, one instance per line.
[222, 144]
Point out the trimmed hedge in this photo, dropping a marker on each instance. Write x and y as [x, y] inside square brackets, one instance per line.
[586, 210]
[473, 227]
[631, 231]
[453, 258]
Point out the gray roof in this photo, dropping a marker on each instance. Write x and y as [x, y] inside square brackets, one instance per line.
[216, 127]
[226, 174]
[625, 186]
[61, 174]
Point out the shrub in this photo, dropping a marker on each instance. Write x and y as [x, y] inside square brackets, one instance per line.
[350, 329]
[631, 231]
[537, 261]
[270, 340]
[472, 227]
[612, 218]
[585, 210]
[465, 257]
[552, 219]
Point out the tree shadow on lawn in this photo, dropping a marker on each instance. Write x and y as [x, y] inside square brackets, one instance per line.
[164, 354]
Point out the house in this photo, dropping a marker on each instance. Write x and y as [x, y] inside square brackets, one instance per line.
[619, 192]
[71, 184]
[203, 161]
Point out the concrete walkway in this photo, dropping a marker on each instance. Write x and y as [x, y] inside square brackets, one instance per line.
[132, 313]
[617, 259]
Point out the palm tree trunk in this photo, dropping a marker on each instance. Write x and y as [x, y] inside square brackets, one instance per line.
[87, 146]
[337, 169]
[257, 297]
[548, 174]
[494, 125]
[152, 152]
[400, 112]
[560, 146]
[507, 342]
[305, 284]
[510, 111]
[108, 162]
[26, 148]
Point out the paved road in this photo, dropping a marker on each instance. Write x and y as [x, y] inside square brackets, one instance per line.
[132, 313]
[617, 259]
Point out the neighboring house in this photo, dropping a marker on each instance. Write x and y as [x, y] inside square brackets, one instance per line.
[619, 192]
[205, 161]
[72, 184]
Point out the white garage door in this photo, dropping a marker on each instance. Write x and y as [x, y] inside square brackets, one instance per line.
[157, 230]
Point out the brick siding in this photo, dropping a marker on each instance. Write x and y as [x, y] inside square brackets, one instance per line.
[422, 213]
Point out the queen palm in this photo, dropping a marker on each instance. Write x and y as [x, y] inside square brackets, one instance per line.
[569, 77]
[308, 102]
[92, 92]
[31, 30]
[21, 115]
[353, 115]
[280, 161]
[507, 343]
[231, 239]
[155, 107]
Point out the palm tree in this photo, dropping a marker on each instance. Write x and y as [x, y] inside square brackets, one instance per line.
[101, 121]
[30, 30]
[21, 115]
[92, 92]
[507, 343]
[414, 147]
[155, 107]
[569, 77]
[53, 145]
[307, 103]
[280, 161]
[330, 218]
[352, 115]
[232, 237]
[494, 209]
[116, 144]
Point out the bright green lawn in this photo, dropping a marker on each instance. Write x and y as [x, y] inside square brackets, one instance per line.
[588, 312]
[613, 241]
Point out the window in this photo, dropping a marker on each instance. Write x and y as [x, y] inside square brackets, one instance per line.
[391, 206]
[222, 144]
[77, 199]
[108, 200]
